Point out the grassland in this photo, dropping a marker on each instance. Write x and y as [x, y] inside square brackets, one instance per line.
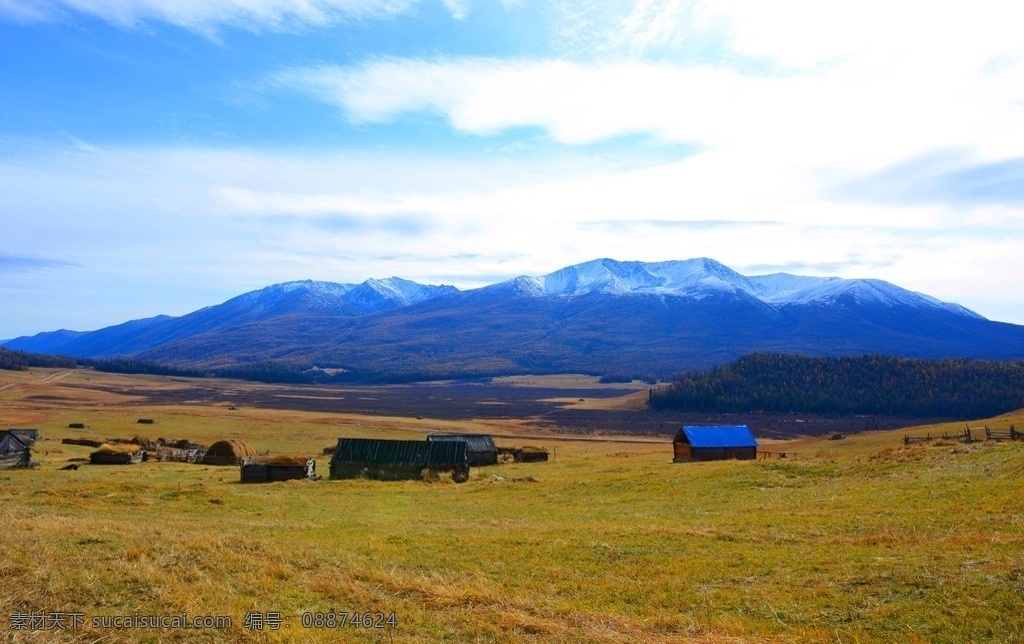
[863, 539]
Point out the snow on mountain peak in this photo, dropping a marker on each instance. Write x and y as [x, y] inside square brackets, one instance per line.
[704, 277]
[693, 277]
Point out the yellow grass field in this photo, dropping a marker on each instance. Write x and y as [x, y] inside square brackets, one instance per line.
[858, 540]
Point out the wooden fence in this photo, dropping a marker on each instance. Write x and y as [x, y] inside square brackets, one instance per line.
[1003, 434]
[969, 435]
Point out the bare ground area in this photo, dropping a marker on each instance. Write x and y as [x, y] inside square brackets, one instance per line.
[559, 405]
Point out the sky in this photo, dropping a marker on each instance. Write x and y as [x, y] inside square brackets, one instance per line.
[158, 156]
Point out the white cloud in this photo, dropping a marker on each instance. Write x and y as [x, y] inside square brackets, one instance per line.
[206, 16]
[458, 8]
[840, 116]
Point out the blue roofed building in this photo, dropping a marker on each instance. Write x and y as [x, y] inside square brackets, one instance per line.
[714, 443]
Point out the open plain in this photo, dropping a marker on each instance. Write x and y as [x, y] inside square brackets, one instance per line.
[862, 539]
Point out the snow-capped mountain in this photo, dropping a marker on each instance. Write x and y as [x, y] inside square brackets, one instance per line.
[703, 277]
[600, 316]
[694, 277]
[302, 298]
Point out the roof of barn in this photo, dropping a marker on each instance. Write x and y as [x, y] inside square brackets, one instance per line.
[380, 452]
[717, 436]
[10, 443]
[474, 442]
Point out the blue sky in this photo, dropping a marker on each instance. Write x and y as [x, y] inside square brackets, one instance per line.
[157, 156]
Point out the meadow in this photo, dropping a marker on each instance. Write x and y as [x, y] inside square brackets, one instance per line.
[863, 539]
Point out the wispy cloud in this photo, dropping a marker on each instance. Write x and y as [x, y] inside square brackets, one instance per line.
[208, 16]
[21, 264]
[846, 116]
[847, 266]
[674, 224]
[944, 176]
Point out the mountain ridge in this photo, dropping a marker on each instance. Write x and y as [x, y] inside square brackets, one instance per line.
[599, 316]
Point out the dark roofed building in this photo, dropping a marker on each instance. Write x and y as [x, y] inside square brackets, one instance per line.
[713, 443]
[480, 448]
[397, 459]
[287, 470]
[13, 452]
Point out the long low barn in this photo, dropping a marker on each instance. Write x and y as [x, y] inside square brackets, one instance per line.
[398, 459]
[713, 443]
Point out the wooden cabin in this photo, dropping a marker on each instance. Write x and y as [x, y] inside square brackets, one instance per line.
[480, 448]
[714, 443]
[13, 452]
[395, 460]
[256, 472]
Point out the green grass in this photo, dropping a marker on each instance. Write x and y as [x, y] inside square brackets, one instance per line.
[858, 540]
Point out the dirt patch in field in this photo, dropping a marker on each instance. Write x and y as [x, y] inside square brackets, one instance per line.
[584, 411]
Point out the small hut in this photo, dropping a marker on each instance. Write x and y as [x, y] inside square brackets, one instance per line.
[480, 448]
[713, 443]
[13, 452]
[120, 454]
[278, 469]
[228, 452]
[395, 460]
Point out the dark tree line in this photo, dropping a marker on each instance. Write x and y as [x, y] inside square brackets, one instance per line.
[13, 360]
[265, 371]
[871, 384]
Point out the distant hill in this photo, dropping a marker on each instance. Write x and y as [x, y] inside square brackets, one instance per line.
[602, 316]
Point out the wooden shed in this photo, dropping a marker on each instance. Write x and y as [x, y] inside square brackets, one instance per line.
[13, 452]
[480, 448]
[395, 460]
[279, 470]
[714, 443]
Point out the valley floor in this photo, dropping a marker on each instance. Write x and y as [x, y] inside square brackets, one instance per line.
[864, 539]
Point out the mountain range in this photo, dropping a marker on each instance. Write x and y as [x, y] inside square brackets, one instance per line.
[602, 316]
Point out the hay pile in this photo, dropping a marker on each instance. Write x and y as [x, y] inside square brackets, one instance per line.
[228, 452]
[286, 460]
[530, 454]
[117, 454]
[87, 442]
[118, 448]
[142, 442]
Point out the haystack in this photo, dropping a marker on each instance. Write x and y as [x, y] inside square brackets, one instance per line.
[119, 454]
[228, 452]
[86, 442]
[530, 454]
[142, 442]
[286, 460]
